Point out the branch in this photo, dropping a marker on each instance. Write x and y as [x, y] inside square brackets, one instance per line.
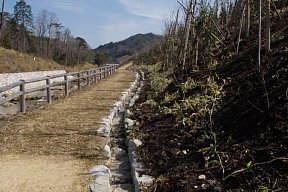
[181, 4]
[254, 165]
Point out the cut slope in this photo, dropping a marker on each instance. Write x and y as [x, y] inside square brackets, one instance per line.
[236, 142]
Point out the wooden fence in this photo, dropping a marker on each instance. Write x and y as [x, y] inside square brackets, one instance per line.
[88, 76]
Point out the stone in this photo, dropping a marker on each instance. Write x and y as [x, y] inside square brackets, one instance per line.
[120, 178]
[137, 142]
[129, 122]
[216, 188]
[131, 102]
[107, 151]
[119, 153]
[104, 131]
[122, 188]
[101, 184]
[145, 180]
[202, 177]
[8, 104]
[100, 170]
[107, 121]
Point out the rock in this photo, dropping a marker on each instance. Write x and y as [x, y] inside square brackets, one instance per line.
[131, 102]
[104, 131]
[107, 151]
[136, 97]
[101, 184]
[8, 104]
[137, 142]
[119, 153]
[128, 113]
[137, 166]
[145, 180]
[107, 121]
[123, 188]
[120, 178]
[216, 188]
[118, 104]
[129, 122]
[202, 177]
[100, 170]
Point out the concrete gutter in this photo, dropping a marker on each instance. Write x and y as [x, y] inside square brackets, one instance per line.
[122, 170]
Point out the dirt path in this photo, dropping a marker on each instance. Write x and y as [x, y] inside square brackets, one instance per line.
[52, 149]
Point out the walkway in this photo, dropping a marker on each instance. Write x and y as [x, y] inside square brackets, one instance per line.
[53, 149]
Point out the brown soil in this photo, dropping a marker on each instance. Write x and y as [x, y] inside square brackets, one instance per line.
[248, 132]
[53, 148]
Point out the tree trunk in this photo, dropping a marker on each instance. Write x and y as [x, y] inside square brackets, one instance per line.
[247, 20]
[267, 16]
[188, 26]
[240, 31]
[196, 53]
[259, 36]
[2, 14]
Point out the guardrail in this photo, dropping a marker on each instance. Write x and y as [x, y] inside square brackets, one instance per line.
[89, 76]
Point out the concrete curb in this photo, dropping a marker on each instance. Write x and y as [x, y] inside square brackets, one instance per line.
[102, 173]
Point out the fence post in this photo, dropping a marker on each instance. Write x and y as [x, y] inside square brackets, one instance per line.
[95, 75]
[100, 74]
[22, 97]
[79, 81]
[104, 72]
[88, 78]
[48, 82]
[66, 91]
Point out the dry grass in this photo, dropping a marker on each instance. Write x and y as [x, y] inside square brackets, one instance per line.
[63, 134]
[13, 62]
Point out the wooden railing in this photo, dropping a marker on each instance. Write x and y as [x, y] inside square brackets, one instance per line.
[88, 77]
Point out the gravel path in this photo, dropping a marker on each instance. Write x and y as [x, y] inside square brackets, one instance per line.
[53, 149]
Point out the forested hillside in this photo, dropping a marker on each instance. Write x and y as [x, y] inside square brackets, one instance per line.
[123, 50]
[213, 114]
[42, 35]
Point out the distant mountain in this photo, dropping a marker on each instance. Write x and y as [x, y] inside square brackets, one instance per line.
[123, 50]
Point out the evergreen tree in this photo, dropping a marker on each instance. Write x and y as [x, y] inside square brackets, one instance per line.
[24, 19]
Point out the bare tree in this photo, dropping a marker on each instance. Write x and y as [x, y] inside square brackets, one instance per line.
[259, 36]
[240, 31]
[247, 18]
[2, 14]
[187, 33]
[51, 20]
[267, 16]
[41, 29]
[67, 36]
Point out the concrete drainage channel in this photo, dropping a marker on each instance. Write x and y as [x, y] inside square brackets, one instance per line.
[121, 172]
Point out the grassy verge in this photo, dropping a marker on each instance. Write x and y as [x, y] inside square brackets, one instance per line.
[12, 62]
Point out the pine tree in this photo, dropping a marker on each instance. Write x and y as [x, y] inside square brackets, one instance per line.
[24, 18]
[2, 14]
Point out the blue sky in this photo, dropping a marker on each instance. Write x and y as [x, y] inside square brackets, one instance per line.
[103, 21]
